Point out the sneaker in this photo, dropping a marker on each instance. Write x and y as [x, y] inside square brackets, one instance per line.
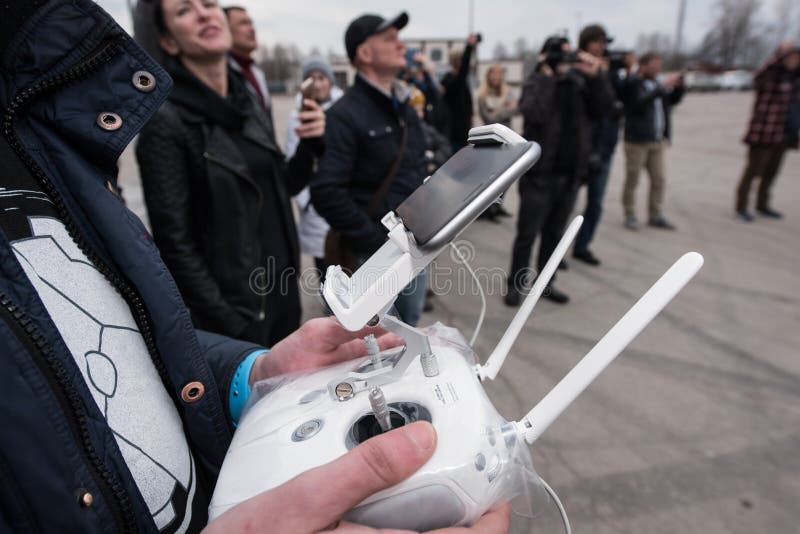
[513, 296]
[554, 294]
[744, 216]
[586, 256]
[771, 213]
[631, 222]
[661, 223]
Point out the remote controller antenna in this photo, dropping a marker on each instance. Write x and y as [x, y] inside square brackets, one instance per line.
[380, 408]
[614, 342]
[495, 361]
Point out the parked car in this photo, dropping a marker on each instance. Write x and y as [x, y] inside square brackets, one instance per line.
[736, 80]
[702, 81]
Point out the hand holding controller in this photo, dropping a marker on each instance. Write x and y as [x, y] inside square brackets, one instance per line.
[299, 422]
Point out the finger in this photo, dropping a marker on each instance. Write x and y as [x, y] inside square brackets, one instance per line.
[307, 117]
[311, 104]
[310, 132]
[334, 488]
[492, 522]
[346, 527]
[389, 341]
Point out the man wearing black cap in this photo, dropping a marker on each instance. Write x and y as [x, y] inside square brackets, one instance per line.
[605, 134]
[375, 150]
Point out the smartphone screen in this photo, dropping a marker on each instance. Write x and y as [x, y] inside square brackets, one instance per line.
[454, 191]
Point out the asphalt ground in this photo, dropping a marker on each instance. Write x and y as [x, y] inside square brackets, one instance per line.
[696, 427]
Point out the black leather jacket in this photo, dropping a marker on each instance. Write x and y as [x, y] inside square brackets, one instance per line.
[204, 205]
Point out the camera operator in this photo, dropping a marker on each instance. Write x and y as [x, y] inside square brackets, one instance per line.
[457, 96]
[419, 73]
[558, 101]
[605, 134]
[647, 131]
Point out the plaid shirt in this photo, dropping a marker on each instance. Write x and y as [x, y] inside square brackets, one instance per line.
[775, 89]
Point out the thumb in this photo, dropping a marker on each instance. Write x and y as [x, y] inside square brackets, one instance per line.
[377, 464]
[315, 499]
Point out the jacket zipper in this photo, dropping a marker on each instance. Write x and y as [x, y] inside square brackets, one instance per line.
[120, 504]
[262, 313]
[71, 404]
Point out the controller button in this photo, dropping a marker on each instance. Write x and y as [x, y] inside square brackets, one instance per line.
[307, 430]
[491, 437]
[344, 391]
[480, 461]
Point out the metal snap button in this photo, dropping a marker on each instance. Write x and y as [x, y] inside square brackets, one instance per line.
[193, 392]
[85, 499]
[109, 121]
[144, 81]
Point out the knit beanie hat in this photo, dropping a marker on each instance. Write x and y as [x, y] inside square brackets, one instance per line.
[317, 63]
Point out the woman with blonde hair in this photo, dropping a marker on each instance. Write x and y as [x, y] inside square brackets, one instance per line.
[496, 103]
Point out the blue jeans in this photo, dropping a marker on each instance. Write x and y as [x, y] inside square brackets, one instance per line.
[411, 299]
[595, 191]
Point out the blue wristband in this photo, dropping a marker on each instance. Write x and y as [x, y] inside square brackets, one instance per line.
[240, 385]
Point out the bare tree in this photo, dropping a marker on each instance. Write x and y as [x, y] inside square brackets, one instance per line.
[658, 42]
[736, 37]
[520, 48]
[787, 14]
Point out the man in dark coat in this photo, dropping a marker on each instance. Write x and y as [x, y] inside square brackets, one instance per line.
[558, 102]
[773, 128]
[648, 130]
[375, 148]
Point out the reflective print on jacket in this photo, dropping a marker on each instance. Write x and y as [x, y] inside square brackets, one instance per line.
[100, 332]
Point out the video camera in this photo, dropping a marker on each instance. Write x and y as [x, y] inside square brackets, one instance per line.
[616, 58]
[554, 53]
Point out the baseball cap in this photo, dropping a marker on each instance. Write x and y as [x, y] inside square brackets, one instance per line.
[368, 25]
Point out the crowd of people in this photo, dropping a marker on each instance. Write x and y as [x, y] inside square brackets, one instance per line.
[128, 356]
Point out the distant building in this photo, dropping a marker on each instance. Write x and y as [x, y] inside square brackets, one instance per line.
[438, 52]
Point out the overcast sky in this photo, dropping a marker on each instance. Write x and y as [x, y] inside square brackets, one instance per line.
[310, 23]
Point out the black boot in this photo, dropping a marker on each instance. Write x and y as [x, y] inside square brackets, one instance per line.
[554, 294]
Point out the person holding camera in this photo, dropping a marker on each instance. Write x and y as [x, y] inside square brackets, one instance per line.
[648, 104]
[605, 134]
[773, 128]
[559, 100]
[419, 73]
[456, 94]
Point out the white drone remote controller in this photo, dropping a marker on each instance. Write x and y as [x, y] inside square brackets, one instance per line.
[300, 422]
